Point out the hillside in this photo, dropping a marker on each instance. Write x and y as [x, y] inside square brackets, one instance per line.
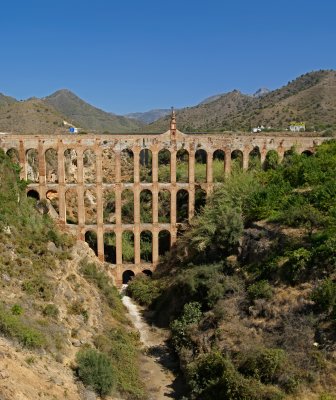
[32, 116]
[249, 291]
[88, 117]
[310, 98]
[149, 116]
[63, 328]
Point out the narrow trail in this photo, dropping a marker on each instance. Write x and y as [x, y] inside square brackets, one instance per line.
[157, 364]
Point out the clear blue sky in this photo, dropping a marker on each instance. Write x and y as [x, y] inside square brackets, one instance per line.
[126, 55]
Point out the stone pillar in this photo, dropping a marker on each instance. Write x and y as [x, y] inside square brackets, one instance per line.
[80, 187]
[155, 245]
[173, 166]
[173, 205]
[61, 182]
[155, 165]
[191, 202]
[263, 156]
[246, 154]
[281, 153]
[118, 233]
[155, 203]
[227, 165]
[42, 167]
[137, 258]
[191, 171]
[209, 172]
[136, 166]
[117, 167]
[100, 242]
[100, 201]
[23, 161]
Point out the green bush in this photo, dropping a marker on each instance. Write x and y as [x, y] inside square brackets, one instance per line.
[17, 309]
[13, 327]
[50, 310]
[143, 289]
[260, 290]
[324, 295]
[96, 371]
[264, 364]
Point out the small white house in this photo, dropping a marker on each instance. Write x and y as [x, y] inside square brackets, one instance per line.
[297, 127]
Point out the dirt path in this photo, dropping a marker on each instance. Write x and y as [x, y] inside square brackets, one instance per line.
[157, 364]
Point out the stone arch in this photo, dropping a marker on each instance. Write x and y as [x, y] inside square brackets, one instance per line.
[127, 206]
[127, 276]
[109, 207]
[307, 153]
[200, 199]
[127, 165]
[236, 160]
[146, 246]
[288, 154]
[182, 205]
[182, 166]
[13, 154]
[71, 206]
[51, 162]
[70, 166]
[91, 240]
[110, 248]
[218, 166]
[33, 194]
[128, 247]
[147, 272]
[89, 166]
[145, 160]
[108, 165]
[164, 206]
[254, 161]
[271, 160]
[200, 166]
[164, 242]
[52, 196]
[146, 206]
[164, 158]
[32, 165]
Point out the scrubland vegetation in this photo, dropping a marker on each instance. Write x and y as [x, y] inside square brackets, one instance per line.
[35, 259]
[249, 291]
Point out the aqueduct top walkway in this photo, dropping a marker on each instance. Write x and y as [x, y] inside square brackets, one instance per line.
[70, 168]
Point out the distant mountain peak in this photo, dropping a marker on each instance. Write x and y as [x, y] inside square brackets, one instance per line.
[261, 92]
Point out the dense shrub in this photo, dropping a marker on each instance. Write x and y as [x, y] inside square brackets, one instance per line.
[96, 371]
[50, 310]
[260, 290]
[144, 289]
[324, 295]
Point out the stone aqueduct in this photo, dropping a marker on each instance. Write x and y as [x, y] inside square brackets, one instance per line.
[173, 141]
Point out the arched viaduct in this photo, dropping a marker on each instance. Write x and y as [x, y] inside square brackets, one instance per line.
[54, 181]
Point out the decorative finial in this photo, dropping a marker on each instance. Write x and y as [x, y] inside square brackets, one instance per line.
[173, 122]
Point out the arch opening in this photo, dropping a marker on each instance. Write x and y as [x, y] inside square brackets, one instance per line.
[90, 205]
[128, 247]
[145, 165]
[146, 206]
[164, 206]
[110, 252]
[70, 166]
[127, 276]
[182, 205]
[51, 161]
[218, 166]
[146, 252]
[127, 206]
[109, 216]
[271, 160]
[307, 153]
[147, 272]
[108, 165]
[164, 165]
[89, 166]
[71, 206]
[33, 194]
[52, 196]
[254, 161]
[236, 160]
[13, 154]
[91, 240]
[200, 199]
[32, 165]
[182, 166]
[127, 165]
[164, 242]
[200, 166]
